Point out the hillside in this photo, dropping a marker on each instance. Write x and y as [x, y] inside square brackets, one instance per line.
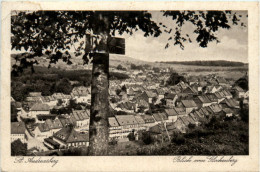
[77, 62]
[206, 63]
[122, 59]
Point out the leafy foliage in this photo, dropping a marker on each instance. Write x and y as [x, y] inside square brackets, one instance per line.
[120, 67]
[206, 23]
[63, 86]
[54, 33]
[49, 81]
[175, 78]
[219, 138]
[243, 83]
[156, 70]
[136, 67]
[13, 113]
[131, 136]
[18, 148]
[147, 138]
[207, 63]
[118, 76]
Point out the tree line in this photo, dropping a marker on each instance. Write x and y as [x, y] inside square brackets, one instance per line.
[53, 80]
[207, 63]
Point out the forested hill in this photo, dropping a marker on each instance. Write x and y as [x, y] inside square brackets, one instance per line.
[207, 63]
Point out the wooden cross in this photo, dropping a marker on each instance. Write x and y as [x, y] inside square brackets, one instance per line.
[114, 45]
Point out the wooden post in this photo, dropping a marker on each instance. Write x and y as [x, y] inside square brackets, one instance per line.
[99, 105]
[100, 49]
[98, 129]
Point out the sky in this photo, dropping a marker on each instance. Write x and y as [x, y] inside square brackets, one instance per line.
[232, 46]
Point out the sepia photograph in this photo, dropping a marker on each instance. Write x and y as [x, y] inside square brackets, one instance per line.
[132, 83]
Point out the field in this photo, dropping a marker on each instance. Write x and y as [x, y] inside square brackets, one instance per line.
[228, 72]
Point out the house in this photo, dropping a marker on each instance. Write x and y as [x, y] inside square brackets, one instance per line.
[18, 131]
[188, 92]
[228, 112]
[141, 122]
[34, 97]
[230, 103]
[212, 97]
[175, 89]
[206, 112]
[193, 80]
[220, 96]
[180, 125]
[171, 114]
[196, 87]
[128, 124]
[123, 96]
[64, 120]
[49, 100]
[227, 94]
[161, 93]
[239, 92]
[182, 85]
[63, 97]
[114, 128]
[211, 89]
[221, 81]
[112, 93]
[126, 106]
[190, 120]
[42, 131]
[81, 94]
[160, 117]
[209, 110]
[189, 105]
[180, 111]
[149, 120]
[51, 144]
[149, 96]
[204, 100]
[141, 105]
[34, 94]
[81, 119]
[54, 125]
[246, 95]
[161, 131]
[39, 108]
[195, 118]
[170, 99]
[68, 137]
[131, 93]
[216, 108]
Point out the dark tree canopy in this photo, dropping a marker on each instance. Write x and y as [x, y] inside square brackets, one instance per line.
[18, 148]
[54, 33]
[175, 78]
[64, 86]
[243, 83]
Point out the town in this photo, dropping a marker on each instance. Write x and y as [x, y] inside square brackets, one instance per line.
[156, 101]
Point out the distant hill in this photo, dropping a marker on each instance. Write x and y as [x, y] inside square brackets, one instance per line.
[207, 63]
[122, 59]
[77, 62]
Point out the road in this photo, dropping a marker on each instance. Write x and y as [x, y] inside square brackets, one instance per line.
[33, 142]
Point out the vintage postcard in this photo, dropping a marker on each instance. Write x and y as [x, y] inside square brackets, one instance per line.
[130, 86]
